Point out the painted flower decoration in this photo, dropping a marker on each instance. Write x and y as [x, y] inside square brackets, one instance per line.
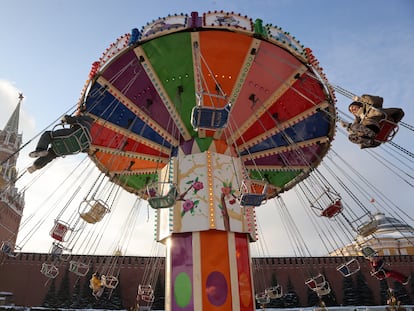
[228, 193]
[228, 190]
[190, 205]
[198, 185]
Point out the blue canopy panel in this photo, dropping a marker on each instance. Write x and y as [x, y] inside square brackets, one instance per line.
[315, 126]
[104, 105]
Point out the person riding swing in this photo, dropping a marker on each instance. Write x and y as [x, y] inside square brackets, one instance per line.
[46, 149]
[369, 114]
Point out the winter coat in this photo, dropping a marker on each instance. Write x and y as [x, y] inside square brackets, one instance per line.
[370, 111]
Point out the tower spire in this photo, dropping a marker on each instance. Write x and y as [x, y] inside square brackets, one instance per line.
[12, 125]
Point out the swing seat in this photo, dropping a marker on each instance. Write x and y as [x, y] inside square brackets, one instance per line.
[388, 130]
[262, 298]
[316, 283]
[79, 268]
[49, 270]
[110, 281]
[349, 268]
[144, 289]
[59, 230]
[164, 201]
[274, 292]
[8, 248]
[325, 290]
[253, 195]
[74, 143]
[333, 209]
[148, 298]
[252, 199]
[58, 250]
[368, 252]
[209, 118]
[96, 212]
[379, 274]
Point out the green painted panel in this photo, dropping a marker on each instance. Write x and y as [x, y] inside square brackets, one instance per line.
[182, 289]
[278, 179]
[204, 143]
[171, 57]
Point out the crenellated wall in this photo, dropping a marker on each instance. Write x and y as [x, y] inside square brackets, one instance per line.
[22, 277]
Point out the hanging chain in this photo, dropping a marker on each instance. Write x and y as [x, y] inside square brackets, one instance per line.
[406, 125]
[401, 149]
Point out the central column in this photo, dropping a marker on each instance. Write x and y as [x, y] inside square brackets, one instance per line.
[207, 234]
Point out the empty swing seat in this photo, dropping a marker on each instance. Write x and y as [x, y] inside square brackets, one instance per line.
[49, 270]
[144, 289]
[209, 118]
[325, 290]
[379, 273]
[146, 293]
[164, 201]
[59, 230]
[316, 283]
[368, 252]
[7, 248]
[76, 142]
[333, 209]
[262, 298]
[110, 281]
[147, 298]
[349, 268]
[96, 212]
[79, 268]
[59, 251]
[254, 195]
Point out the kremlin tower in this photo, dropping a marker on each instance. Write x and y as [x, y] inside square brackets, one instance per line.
[11, 201]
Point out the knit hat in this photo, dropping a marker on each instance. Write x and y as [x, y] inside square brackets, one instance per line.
[354, 104]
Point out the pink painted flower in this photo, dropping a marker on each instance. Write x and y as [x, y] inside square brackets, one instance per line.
[198, 185]
[188, 205]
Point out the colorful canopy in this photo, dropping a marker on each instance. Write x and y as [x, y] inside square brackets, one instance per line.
[216, 81]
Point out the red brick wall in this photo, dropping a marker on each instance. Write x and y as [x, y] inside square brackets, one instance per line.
[21, 275]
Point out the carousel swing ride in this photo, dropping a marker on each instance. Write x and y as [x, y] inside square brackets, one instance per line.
[206, 117]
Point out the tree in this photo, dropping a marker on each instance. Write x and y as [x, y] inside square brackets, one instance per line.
[64, 294]
[383, 292]
[364, 294]
[115, 297]
[86, 300]
[330, 298]
[50, 300]
[290, 299]
[159, 293]
[348, 292]
[313, 298]
[76, 295]
[401, 293]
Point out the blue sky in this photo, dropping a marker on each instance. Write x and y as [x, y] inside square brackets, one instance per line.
[48, 46]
